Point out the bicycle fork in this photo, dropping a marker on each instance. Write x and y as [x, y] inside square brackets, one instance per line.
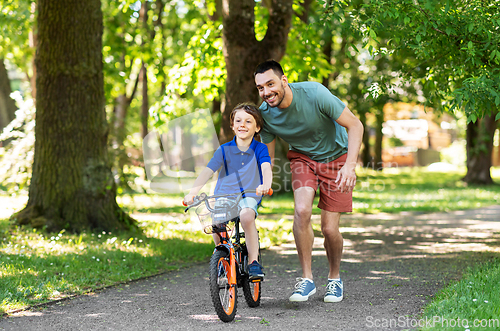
[227, 246]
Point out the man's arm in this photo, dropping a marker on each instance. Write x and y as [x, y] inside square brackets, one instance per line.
[271, 147]
[347, 175]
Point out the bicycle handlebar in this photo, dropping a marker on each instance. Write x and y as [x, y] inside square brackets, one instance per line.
[203, 197]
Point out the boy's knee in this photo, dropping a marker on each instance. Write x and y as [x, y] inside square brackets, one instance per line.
[247, 215]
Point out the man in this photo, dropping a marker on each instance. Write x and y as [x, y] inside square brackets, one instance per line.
[313, 122]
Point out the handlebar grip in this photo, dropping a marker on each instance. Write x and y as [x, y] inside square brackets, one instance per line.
[270, 192]
[184, 204]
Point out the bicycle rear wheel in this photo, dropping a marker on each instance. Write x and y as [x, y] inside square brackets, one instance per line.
[224, 296]
[251, 289]
[252, 292]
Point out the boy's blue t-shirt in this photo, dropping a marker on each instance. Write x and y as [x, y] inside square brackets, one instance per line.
[243, 167]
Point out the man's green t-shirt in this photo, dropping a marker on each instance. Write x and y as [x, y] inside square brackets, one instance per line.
[308, 124]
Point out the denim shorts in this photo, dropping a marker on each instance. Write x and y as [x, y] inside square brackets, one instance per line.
[249, 203]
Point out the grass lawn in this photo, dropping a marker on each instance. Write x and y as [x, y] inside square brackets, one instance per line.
[473, 303]
[37, 267]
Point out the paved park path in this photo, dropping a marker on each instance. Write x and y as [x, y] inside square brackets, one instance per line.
[392, 266]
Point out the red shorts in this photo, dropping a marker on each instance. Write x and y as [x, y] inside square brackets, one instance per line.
[306, 172]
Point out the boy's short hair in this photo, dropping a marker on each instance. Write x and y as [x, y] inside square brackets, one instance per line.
[268, 65]
[249, 108]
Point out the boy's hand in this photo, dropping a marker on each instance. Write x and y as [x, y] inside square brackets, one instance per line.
[188, 199]
[262, 189]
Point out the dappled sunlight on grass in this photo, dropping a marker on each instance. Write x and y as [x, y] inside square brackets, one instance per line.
[36, 267]
[415, 189]
[11, 204]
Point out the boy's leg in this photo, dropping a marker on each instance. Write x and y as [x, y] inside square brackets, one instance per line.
[216, 239]
[247, 219]
[248, 214]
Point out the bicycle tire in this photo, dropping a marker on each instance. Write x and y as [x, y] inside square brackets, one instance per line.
[224, 296]
[251, 290]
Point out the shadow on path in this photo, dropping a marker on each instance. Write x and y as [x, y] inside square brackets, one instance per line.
[392, 266]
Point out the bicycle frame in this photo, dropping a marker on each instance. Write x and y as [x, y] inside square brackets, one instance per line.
[227, 244]
[228, 263]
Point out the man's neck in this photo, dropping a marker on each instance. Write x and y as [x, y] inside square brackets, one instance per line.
[287, 100]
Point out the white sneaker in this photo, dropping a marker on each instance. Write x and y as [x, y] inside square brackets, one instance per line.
[334, 291]
[303, 290]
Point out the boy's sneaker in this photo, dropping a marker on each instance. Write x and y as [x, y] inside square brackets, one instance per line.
[255, 271]
[303, 290]
[334, 291]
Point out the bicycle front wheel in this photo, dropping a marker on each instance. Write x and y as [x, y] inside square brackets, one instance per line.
[224, 296]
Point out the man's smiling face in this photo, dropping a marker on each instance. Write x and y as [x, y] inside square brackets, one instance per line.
[271, 87]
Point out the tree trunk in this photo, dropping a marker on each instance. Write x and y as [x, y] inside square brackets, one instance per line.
[187, 160]
[479, 149]
[72, 186]
[379, 165]
[33, 42]
[366, 156]
[242, 51]
[7, 104]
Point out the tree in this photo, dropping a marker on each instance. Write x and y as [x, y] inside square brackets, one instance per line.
[453, 49]
[7, 104]
[18, 37]
[72, 186]
[355, 72]
[243, 52]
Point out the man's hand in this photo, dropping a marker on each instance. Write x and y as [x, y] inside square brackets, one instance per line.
[346, 178]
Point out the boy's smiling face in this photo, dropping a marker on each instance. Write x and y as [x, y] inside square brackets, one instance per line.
[244, 125]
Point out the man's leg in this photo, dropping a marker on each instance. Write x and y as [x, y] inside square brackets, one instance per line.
[334, 242]
[302, 229]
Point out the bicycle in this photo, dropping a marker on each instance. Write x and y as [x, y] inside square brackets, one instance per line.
[228, 268]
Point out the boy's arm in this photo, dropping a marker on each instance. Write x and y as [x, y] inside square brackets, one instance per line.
[198, 184]
[267, 179]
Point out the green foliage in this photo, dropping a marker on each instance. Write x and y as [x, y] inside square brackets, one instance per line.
[451, 48]
[304, 58]
[16, 157]
[415, 189]
[17, 22]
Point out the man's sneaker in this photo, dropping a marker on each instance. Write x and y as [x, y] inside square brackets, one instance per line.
[303, 290]
[255, 271]
[334, 291]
